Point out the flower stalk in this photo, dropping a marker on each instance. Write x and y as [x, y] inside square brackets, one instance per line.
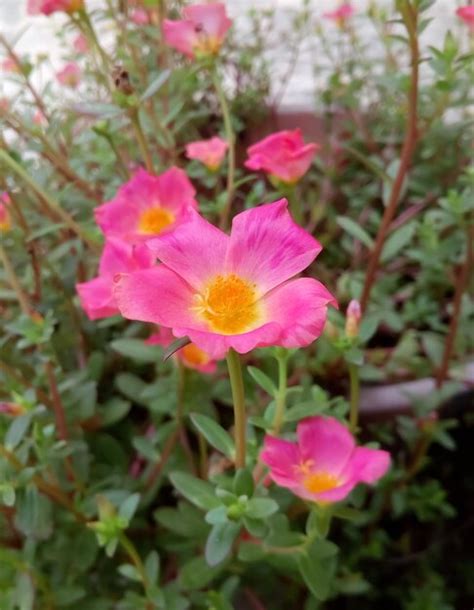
[238, 396]
[280, 399]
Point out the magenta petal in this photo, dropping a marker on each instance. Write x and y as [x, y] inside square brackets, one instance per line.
[96, 298]
[299, 307]
[155, 295]
[282, 457]
[268, 247]
[180, 35]
[326, 442]
[366, 465]
[195, 249]
[211, 17]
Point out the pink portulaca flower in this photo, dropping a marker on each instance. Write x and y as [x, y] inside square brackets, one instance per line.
[324, 465]
[210, 152]
[140, 16]
[147, 206]
[201, 32]
[96, 296]
[80, 44]
[466, 13]
[283, 155]
[190, 355]
[47, 7]
[10, 65]
[341, 14]
[38, 118]
[5, 221]
[70, 75]
[232, 291]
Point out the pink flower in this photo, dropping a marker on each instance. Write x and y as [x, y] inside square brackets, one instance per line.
[70, 75]
[139, 16]
[80, 44]
[47, 7]
[5, 221]
[147, 206]
[341, 14]
[4, 104]
[10, 65]
[232, 291]
[39, 118]
[190, 355]
[283, 155]
[353, 318]
[466, 13]
[324, 465]
[12, 408]
[96, 295]
[201, 32]
[210, 152]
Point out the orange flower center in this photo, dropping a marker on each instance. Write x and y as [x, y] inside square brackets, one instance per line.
[207, 45]
[154, 220]
[316, 482]
[193, 355]
[229, 304]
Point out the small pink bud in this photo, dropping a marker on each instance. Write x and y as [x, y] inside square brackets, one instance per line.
[353, 317]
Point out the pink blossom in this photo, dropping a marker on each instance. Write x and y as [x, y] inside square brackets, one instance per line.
[80, 44]
[324, 465]
[96, 295]
[201, 32]
[210, 152]
[5, 221]
[283, 155]
[232, 291]
[341, 14]
[147, 205]
[39, 118]
[190, 355]
[69, 75]
[12, 408]
[139, 16]
[47, 7]
[4, 104]
[10, 65]
[466, 13]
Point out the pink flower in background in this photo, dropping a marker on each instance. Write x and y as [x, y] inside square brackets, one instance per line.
[10, 65]
[190, 355]
[147, 206]
[466, 13]
[5, 221]
[140, 16]
[96, 295]
[341, 14]
[234, 291]
[283, 155]
[39, 118]
[353, 318]
[12, 408]
[47, 7]
[201, 32]
[324, 465]
[80, 44]
[210, 152]
[70, 75]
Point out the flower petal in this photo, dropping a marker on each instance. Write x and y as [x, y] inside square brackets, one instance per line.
[97, 298]
[211, 17]
[195, 250]
[268, 247]
[181, 35]
[155, 295]
[299, 307]
[366, 465]
[282, 457]
[326, 442]
[175, 190]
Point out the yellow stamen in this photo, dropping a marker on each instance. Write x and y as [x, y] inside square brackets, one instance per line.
[316, 482]
[154, 220]
[229, 304]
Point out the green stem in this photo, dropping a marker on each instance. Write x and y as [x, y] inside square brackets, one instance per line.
[132, 552]
[238, 396]
[142, 143]
[230, 137]
[294, 203]
[354, 397]
[51, 203]
[280, 401]
[15, 283]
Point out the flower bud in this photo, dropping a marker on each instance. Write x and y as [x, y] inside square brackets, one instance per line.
[353, 317]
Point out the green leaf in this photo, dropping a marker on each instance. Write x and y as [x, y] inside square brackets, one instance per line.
[317, 573]
[25, 592]
[217, 515]
[219, 542]
[17, 430]
[351, 227]
[129, 506]
[397, 241]
[136, 349]
[215, 435]
[197, 574]
[243, 484]
[175, 346]
[145, 448]
[198, 492]
[129, 571]
[263, 380]
[260, 508]
[152, 567]
[33, 516]
[155, 85]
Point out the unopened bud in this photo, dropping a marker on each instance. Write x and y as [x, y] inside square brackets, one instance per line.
[12, 408]
[353, 317]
